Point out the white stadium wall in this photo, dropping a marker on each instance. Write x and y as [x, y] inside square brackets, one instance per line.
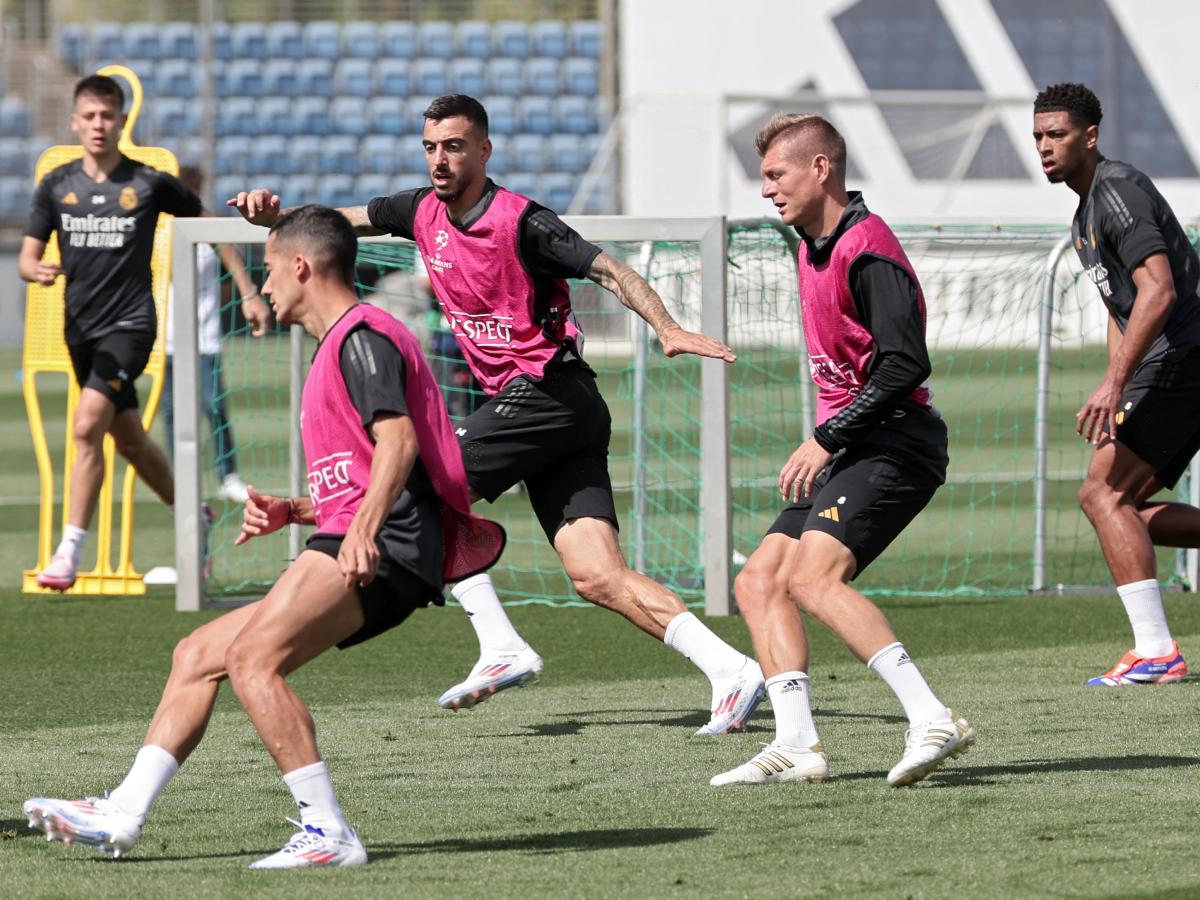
[934, 98]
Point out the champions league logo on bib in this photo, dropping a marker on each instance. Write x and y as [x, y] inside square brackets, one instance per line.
[440, 240]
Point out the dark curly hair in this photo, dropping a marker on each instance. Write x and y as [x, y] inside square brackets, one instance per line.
[1077, 100]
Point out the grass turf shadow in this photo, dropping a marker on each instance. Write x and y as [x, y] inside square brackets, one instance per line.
[984, 775]
[549, 842]
[14, 829]
[575, 725]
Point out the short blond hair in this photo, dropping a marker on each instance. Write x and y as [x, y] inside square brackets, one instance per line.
[816, 133]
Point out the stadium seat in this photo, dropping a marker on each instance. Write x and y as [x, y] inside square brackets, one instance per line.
[601, 199]
[353, 78]
[269, 156]
[501, 161]
[107, 42]
[339, 155]
[568, 153]
[142, 41]
[244, 78]
[399, 40]
[190, 151]
[248, 40]
[323, 40]
[301, 188]
[385, 115]
[16, 195]
[280, 78]
[502, 115]
[276, 116]
[315, 78]
[368, 187]
[528, 154]
[179, 40]
[221, 37]
[14, 157]
[177, 78]
[414, 114]
[504, 77]
[541, 77]
[336, 190]
[304, 158]
[231, 155]
[474, 39]
[392, 78]
[312, 116]
[521, 184]
[179, 117]
[410, 157]
[549, 39]
[72, 45]
[511, 39]
[535, 115]
[360, 40]
[581, 75]
[348, 116]
[15, 120]
[236, 115]
[226, 186]
[145, 70]
[378, 153]
[429, 77]
[575, 115]
[285, 40]
[435, 40]
[587, 38]
[468, 76]
[556, 190]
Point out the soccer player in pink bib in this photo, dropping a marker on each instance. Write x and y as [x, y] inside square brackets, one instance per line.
[389, 499]
[876, 458]
[498, 263]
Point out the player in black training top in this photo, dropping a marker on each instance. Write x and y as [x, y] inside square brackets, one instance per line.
[105, 208]
[1142, 418]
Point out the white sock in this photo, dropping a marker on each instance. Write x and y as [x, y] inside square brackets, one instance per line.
[477, 596]
[793, 714]
[72, 543]
[895, 666]
[152, 768]
[313, 792]
[1143, 605]
[686, 634]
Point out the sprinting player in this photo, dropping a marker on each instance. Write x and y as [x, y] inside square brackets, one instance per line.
[105, 208]
[498, 263]
[388, 495]
[208, 309]
[1142, 418]
[876, 458]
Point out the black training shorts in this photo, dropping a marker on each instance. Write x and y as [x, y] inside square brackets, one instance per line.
[1159, 418]
[111, 363]
[869, 494]
[551, 434]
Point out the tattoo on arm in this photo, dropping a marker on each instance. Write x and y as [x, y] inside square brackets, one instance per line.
[357, 216]
[632, 290]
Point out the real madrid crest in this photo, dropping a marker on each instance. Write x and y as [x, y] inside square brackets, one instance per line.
[128, 198]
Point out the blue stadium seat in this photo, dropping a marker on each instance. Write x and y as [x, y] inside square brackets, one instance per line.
[179, 40]
[504, 77]
[435, 40]
[511, 39]
[231, 155]
[581, 75]
[280, 78]
[429, 77]
[528, 153]
[399, 40]
[16, 195]
[276, 116]
[177, 78]
[222, 41]
[542, 77]
[336, 190]
[392, 78]
[474, 39]
[501, 161]
[285, 40]
[354, 78]
[315, 78]
[360, 40]
[145, 70]
[107, 42]
[244, 78]
[72, 45]
[575, 115]
[587, 38]
[14, 157]
[339, 155]
[226, 186]
[300, 189]
[348, 116]
[522, 184]
[368, 187]
[323, 40]
[549, 39]
[248, 40]
[304, 158]
[15, 120]
[411, 157]
[601, 199]
[414, 114]
[502, 115]
[142, 41]
[378, 152]
[468, 76]
[236, 115]
[569, 153]
[385, 115]
[312, 116]
[535, 115]
[556, 190]
[269, 156]
[177, 117]
[188, 150]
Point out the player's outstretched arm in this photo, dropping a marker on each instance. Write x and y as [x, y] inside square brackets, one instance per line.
[636, 294]
[261, 207]
[30, 265]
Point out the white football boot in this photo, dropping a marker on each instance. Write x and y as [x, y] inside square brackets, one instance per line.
[734, 700]
[310, 846]
[94, 822]
[495, 671]
[928, 745]
[779, 762]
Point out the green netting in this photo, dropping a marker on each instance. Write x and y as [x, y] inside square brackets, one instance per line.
[983, 288]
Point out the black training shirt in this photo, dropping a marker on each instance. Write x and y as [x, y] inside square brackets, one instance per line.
[373, 370]
[1122, 222]
[106, 239]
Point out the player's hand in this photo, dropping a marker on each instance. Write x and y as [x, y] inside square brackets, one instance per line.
[262, 514]
[258, 207]
[801, 470]
[257, 313]
[1100, 410]
[45, 273]
[358, 558]
[675, 341]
